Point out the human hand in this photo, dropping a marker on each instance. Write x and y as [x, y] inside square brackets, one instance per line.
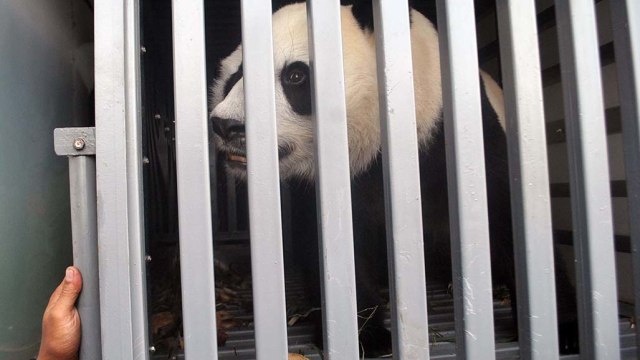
[61, 321]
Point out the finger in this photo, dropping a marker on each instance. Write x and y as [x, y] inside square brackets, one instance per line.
[70, 289]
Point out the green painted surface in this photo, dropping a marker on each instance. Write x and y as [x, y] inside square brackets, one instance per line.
[37, 90]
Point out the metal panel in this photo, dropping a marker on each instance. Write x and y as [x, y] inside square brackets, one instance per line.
[119, 179]
[402, 180]
[263, 181]
[591, 202]
[192, 168]
[467, 187]
[626, 29]
[333, 181]
[533, 237]
[40, 89]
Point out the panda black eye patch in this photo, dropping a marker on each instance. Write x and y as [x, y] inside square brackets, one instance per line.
[233, 80]
[297, 87]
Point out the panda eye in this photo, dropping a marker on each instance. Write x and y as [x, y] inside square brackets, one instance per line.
[295, 77]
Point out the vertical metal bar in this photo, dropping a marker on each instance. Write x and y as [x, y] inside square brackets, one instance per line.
[402, 180]
[333, 181]
[626, 29]
[467, 187]
[589, 171]
[118, 177]
[192, 168]
[82, 183]
[530, 200]
[135, 197]
[263, 181]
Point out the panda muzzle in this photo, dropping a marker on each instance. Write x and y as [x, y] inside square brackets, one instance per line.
[228, 129]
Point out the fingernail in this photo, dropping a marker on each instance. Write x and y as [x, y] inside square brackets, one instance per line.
[69, 274]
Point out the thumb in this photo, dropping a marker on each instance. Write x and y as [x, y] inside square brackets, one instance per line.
[71, 286]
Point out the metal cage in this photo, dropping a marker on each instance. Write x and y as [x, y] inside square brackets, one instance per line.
[119, 320]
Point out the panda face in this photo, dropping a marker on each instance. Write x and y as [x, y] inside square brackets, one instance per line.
[293, 94]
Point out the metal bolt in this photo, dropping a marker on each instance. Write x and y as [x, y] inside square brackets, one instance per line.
[152, 349]
[147, 258]
[78, 144]
[167, 129]
[157, 116]
[145, 160]
[143, 49]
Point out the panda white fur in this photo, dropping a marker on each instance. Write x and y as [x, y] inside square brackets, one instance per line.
[296, 150]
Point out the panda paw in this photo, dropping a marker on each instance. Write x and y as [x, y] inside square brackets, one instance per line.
[568, 338]
[375, 341]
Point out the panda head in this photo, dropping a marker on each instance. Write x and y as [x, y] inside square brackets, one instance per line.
[293, 93]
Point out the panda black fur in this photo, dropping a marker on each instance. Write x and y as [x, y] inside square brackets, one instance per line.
[295, 139]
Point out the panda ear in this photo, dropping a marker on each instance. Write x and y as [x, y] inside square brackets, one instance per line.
[362, 11]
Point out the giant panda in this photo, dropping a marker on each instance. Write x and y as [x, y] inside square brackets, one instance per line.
[296, 158]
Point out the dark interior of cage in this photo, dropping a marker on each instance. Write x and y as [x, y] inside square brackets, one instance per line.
[230, 203]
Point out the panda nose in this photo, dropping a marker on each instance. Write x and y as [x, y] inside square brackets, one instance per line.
[228, 129]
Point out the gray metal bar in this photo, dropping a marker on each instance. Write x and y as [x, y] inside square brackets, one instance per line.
[530, 199]
[79, 145]
[333, 181]
[402, 180]
[118, 177]
[82, 183]
[192, 168]
[263, 181]
[591, 201]
[467, 186]
[626, 29]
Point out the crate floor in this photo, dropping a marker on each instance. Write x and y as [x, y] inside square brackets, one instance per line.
[241, 345]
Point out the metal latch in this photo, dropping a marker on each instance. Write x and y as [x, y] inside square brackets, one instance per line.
[79, 145]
